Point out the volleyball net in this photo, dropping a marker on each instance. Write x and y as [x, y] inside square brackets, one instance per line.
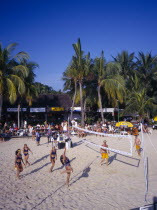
[120, 138]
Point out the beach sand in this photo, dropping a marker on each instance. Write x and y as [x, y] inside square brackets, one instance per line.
[121, 185]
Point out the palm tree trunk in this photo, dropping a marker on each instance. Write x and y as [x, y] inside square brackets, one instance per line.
[1, 102]
[85, 116]
[100, 103]
[71, 116]
[18, 109]
[81, 101]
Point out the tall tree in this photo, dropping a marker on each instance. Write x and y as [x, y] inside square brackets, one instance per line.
[30, 88]
[10, 73]
[127, 63]
[146, 65]
[109, 80]
[80, 65]
[139, 102]
[70, 78]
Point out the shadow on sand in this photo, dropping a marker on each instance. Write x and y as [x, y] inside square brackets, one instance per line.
[38, 169]
[83, 175]
[40, 159]
[75, 144]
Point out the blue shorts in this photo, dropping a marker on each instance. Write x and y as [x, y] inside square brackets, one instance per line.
[38, 139]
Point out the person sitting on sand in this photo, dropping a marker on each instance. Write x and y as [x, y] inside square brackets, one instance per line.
[68, 169]
[104, 153]
[18, 163]
[26, 154]
[137, 143]
[53, 157]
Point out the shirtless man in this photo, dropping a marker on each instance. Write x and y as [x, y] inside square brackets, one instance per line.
[137, 144]
[104, 153]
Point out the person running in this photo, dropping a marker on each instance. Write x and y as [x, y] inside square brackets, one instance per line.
[26, 154]
[137, 144]
[104, 153]
[68, 169]
[18, 163]
[53, 157]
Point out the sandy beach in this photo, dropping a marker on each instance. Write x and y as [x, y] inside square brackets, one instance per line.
[120, 185]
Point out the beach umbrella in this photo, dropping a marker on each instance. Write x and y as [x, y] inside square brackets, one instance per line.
[155, 118]
[124, 123]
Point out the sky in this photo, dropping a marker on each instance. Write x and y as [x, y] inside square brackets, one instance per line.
[46, 30]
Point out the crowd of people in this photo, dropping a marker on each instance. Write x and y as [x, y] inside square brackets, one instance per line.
[51, 130]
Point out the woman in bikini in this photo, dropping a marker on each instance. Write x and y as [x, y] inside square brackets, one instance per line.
[68, 169]
[53, 157]
[26, 154]
[18, 163]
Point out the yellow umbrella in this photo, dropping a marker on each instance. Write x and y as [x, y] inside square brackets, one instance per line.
[155, 118]
[124, 123]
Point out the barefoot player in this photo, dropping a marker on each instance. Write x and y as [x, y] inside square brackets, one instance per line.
[104, 153]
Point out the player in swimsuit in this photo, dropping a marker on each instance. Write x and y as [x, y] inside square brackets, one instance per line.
[26, 154]
[53, 157]
[18, 163]
[104, 153]
[137, 143]
[68, 169]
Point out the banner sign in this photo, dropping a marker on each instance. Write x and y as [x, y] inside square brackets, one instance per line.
[38, 109]
[56, 109]
[76, 109]
[16, 109]
[111, 110]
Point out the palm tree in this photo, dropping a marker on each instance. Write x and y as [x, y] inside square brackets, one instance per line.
[30, 89]
[80, 66]
[139, 102]
[109, 80]
[44, 89]
[127, 64]
[11, 71]
[70, 78]
[146, 65]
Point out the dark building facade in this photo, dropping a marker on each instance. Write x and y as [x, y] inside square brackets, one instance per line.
[46, 107]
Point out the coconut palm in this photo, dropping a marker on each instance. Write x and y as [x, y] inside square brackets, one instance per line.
[30, 89]
[127, 64]
[139, 102]
[108, 80]
[80, 66]
[11, 71]
[70, 78]
[146, 66]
